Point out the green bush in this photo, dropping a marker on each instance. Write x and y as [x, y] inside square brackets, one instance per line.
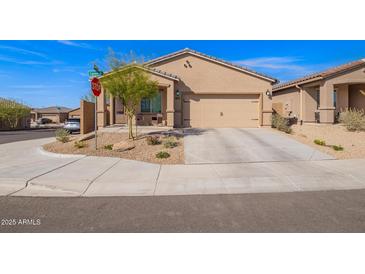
[153, 140]
[280, 123]
[108, 147]
[80, 144]
[162, 155]
[353, 119]
[319, 142]
[170, 143]
[11, 112]
[62, 135]
[338, 147]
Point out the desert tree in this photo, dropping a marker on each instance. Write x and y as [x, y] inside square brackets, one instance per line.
[130, 83]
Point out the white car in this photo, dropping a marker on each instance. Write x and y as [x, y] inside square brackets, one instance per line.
[72, 125]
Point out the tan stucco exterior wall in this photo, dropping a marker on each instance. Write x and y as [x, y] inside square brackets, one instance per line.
[309, 104]
[87, 117]
[55, 117]
[290, 101]
[356, 98]
[201, 76]
[74, 113]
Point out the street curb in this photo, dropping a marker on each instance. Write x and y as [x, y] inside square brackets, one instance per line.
[42, 151]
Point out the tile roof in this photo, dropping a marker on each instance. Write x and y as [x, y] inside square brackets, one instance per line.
[320, 75]
[215, 59]
[154, 70]
[52, 109]
[163, 72]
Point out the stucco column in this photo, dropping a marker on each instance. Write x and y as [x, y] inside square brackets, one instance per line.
[301, 103]
[170, 105]
[326, 107]
[265, 103]
[112, 110]
[342, 97]
[101, 109]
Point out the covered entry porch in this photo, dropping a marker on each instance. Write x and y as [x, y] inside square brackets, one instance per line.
[157, 111]
[150, 112]
[337, 98]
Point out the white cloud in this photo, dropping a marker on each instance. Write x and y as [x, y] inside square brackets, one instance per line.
[287, 67]
[56, 70]
[272, 62]
[23, 51]
[27, 62]
[75, 44]
[38, 86]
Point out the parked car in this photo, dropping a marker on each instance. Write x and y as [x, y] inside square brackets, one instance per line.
[72, 125]
[43, 121]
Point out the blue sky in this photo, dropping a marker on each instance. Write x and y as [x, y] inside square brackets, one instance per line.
[44, 73]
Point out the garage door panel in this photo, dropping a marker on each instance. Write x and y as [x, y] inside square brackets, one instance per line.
[221, 110]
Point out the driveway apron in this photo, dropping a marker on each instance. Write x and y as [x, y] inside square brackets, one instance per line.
[244, 145]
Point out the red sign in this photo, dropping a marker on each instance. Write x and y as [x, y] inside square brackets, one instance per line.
[96, 86]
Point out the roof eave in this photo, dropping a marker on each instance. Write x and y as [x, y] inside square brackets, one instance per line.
[297, 83]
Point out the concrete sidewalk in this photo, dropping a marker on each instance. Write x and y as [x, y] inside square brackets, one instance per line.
[26, 170]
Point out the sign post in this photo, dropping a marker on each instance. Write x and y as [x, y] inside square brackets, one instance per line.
[96, 89]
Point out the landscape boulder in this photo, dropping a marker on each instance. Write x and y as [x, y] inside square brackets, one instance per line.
[123, 146]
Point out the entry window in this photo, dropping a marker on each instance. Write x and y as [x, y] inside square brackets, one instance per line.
[151, 105]
[146, 105]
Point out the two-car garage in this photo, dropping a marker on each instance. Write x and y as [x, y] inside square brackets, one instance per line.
[221, 110]
[208, 92]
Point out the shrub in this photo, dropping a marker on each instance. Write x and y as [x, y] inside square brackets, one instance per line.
[338, 147]
[170, 143]
[108, 147]
[153, 140]
[62, 135]
[11, 112]
[353, 119]
[80, 144]
[162, 155]
[319, 142]
[281, 123]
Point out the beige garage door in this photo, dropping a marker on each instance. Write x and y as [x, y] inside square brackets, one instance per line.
[221, 111]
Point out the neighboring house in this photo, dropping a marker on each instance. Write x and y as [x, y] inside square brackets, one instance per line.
[75, 113]
[320, 97]
[197, 90]
[55, 113]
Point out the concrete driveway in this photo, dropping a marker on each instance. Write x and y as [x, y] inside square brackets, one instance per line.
[244, 145]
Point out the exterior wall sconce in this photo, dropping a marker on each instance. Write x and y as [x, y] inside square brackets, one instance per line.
[177, 93]
[268, 94]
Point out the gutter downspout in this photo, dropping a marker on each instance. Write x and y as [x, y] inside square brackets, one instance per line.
[300, 103]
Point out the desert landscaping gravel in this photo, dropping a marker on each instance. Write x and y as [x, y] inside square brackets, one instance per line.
[352, 142]
[141, 152]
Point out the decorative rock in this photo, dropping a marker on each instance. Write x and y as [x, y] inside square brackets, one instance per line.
[86, 137]
[123, 146]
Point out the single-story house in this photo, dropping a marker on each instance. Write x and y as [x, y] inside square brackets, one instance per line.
[320, 97]
[75, 113]
[197, 90]
[54, 113]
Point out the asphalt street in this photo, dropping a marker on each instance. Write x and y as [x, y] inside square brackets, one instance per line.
[322, 211]
[22, 135]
